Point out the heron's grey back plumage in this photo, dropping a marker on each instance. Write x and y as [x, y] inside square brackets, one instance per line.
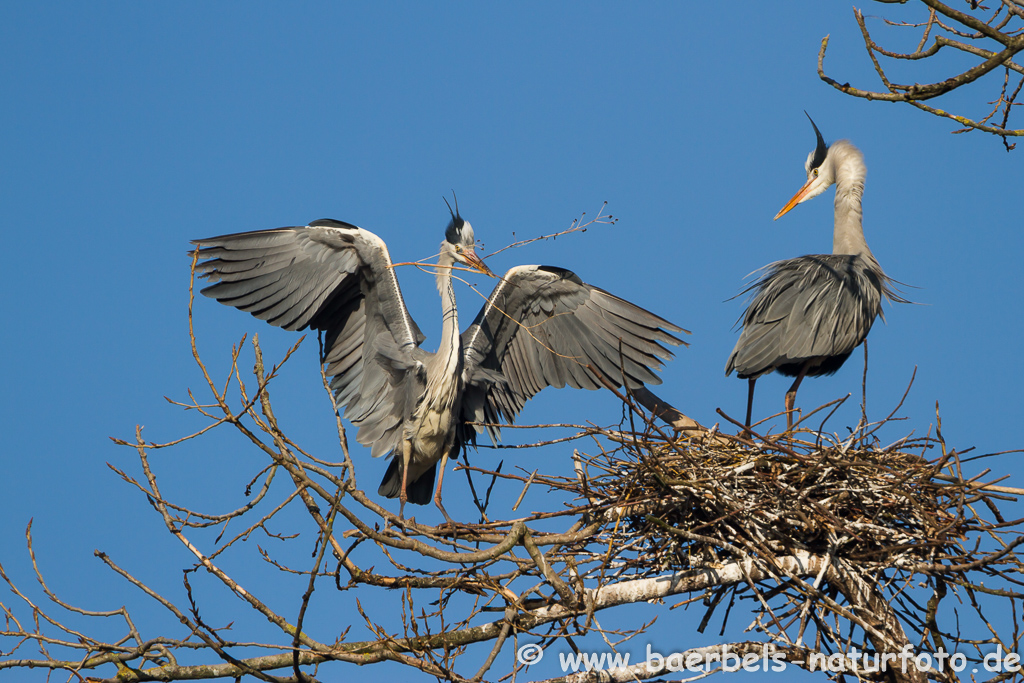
[815, 308]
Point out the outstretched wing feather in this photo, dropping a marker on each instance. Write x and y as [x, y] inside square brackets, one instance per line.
[543, 326]
[329, 276]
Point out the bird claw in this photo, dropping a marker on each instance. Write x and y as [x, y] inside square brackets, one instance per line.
[452, 528]
[449, 523]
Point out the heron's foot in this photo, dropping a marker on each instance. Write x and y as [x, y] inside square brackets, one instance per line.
[400, 524]
[449, 523]
[746, 432]
[448, 520]
[392, 523]
[453, 528]
[792, 418]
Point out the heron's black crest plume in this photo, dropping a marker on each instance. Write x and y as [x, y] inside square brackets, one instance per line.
[449, 205]
[821, 149]
[454, 231]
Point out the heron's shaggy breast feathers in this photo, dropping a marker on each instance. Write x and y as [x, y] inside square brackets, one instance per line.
[814, 308]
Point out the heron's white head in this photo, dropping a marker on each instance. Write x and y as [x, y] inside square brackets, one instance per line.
[459, 244]
[821, 173]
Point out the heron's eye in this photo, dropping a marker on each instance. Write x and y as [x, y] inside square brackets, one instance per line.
[458, 249]
[815, 173]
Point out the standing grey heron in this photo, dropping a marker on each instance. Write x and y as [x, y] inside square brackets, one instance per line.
[809, 313]
[541, 326]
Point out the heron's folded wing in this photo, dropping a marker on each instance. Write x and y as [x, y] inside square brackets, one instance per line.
[809, 307]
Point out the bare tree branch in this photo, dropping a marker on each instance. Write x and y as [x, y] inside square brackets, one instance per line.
[1003, 27]
[832, 545]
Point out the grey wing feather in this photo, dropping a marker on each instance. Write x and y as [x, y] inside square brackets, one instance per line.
[333, 277]
[543, 326]
[813, 308]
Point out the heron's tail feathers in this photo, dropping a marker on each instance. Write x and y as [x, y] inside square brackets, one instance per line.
[420, 490]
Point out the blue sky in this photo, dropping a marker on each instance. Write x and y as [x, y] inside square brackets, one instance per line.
[129, 129]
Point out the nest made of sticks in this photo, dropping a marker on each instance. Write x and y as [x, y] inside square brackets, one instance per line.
[677, 502]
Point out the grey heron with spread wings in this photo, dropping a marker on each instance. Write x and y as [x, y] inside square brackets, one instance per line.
[541, 326]
[808, 314]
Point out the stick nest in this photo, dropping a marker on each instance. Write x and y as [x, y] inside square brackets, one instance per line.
[679, 504]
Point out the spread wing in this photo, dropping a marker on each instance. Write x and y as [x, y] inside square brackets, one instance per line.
[336, 278]
[812, 307]
[543, 326]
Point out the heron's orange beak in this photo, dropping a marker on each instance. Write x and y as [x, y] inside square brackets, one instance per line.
[476, 262]
[797, 198]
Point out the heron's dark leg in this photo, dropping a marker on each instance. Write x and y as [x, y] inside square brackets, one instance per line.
[406, 459]
[750, 404]
[437, 491]
[791, 397]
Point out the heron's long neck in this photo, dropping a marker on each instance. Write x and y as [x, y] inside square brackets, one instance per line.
[850, 171]
[448, 354]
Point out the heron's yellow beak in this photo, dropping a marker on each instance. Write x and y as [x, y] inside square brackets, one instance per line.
[476, 262]
[797, 198]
